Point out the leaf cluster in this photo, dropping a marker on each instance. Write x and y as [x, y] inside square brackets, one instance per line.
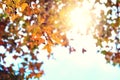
[30, 24]
[108, 31]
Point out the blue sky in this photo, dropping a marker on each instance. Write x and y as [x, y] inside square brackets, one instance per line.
[78, 66]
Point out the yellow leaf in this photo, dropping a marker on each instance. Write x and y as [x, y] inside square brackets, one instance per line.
[38, 75]
[14, 16]
[48, 47]
[23, 6]
[56, 38]
[16, 1]
[106, 39]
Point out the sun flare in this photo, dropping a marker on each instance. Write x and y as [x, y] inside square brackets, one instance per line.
[80, 19]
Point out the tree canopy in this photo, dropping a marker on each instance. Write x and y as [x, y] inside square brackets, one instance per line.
[32, 24]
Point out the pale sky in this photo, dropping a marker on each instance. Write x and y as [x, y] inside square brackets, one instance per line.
[78, 66]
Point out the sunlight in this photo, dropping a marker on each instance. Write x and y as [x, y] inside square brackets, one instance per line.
[81, 19]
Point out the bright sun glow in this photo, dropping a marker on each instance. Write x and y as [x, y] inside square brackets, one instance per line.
[80, 18]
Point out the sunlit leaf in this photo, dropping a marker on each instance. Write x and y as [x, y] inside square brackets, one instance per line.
[23, 6]
[14, 16]
[38, 75]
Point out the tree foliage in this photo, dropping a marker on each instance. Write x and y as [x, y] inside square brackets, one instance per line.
[34, 23]
[109, 31]
[30, 23]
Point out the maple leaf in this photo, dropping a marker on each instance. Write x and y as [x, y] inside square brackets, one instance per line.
[48, 47]
[83, 50]
[23, 6]
[15, 57]
[34, 57]
[14, 16]
[31, 75]
[38, 65]
[38, 75]
[71, 49]
[21, 70]
[31, 66]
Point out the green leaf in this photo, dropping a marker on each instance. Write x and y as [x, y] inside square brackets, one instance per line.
[104, 52]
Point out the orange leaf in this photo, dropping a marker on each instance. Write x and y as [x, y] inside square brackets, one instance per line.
[28, 11]
[23, 6]
[15, 57]
[31, 75]
[56, 38]
[38, 65]
[41, 40]
[21, 70]
[48, 47]
[14, 16]
[31, 66]
[38, 75]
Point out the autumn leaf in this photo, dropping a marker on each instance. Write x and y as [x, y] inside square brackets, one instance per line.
[2, 27]
[38, 75]
[16, 1]
[41, 19]
[28, 11]
[34, 57]
[18, 50]
[31, 66]
[8, 10]
[38, 65]
[71, 49]
[14, 16]
[23, 6]
[22, 70]
[31, 75]
[41, 40]
[48, 47]
[56, 38]
[15, 57]
[83, 50]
